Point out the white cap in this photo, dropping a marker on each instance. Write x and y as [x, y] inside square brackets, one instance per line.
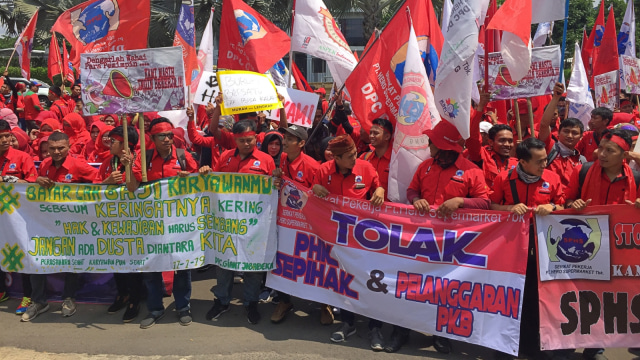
[485, 126]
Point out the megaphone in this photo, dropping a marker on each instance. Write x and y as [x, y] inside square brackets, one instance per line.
[118, 85]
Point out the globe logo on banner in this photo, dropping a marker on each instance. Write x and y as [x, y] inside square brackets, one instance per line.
[399, 58]
[293, 198]
[579, 241]
[599, 34]
[248, 26]
[95, 21]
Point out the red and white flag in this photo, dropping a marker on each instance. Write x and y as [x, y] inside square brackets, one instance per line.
[248, 41]
[24, 45]
[205, 53]
[54, 62]
[595, 37]
[67, 66]
[514, 19]
[605, 53]
[104, 25]
[417, 113]
[315, 33]
[185, 38]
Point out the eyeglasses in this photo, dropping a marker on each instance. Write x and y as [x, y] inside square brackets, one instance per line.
[113, 141]
[161, 137]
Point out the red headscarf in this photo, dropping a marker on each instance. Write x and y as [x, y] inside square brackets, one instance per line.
[178, 138]
[46, 114]
[42, 140]
[101, 153]
[77, 132]
[91, 145]
[23, 140]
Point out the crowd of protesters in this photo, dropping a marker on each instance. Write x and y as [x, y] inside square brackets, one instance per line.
[557, 165]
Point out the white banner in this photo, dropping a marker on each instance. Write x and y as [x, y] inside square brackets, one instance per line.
[122, 82]
[174, 224]
[300, 107]
[572, 247]
[606, 87]
[208, 89]
[630, 67]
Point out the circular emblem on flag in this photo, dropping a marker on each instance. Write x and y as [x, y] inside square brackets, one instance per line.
[248, 26]
[399, 58]
[450, 107]
[95, 21]
[332, 29]
[599, 34]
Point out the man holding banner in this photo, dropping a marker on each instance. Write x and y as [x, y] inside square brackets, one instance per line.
[163, 162]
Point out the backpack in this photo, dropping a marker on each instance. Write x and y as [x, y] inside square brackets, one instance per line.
[585, 169]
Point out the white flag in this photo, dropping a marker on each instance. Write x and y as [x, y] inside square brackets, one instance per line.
[446, 15]
[627, 35]
[578, 94]
[315, 33]
[547, 10]
[417, 112]
[454, 79]
[543, 31]
[205, 53]
[280, 75]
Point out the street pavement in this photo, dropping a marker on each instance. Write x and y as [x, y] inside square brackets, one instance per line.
[93, 334]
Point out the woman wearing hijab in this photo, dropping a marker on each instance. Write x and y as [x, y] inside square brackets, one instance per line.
[94, 131]
[20, 141]
[9, 116]
[74, 126]
[272, 145]
[102, 146]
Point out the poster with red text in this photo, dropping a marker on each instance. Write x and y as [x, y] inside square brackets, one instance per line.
[122, 82]
[630, 67]
[607, 90]
[443, 276]
[595, 301]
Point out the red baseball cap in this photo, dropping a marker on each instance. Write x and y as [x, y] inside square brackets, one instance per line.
[445, 136]
[321, 90]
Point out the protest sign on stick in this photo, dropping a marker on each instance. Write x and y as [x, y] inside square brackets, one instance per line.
[630, 73]
[300, 107]
[246, 91]
[606, 87]
[208, 89]
[122, 82]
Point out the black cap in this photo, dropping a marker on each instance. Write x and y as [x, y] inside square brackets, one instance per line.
[297, 131]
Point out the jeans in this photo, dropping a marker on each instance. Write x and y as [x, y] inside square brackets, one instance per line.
[155, 291]
[39, 287]
[250, 292]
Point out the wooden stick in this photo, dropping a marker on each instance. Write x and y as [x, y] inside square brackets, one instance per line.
[125, 133]
[143, 149]
[531, 125]
[517, 114]
[10, 58]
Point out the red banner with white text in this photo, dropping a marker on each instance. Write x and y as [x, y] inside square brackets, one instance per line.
[589, 278]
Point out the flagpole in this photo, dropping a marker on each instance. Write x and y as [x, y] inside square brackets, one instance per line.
[293, 14]
[564, 39]
[517, 114]
[125, 133]
[10, 58]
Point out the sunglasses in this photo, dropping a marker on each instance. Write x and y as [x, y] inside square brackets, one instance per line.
[161, 137]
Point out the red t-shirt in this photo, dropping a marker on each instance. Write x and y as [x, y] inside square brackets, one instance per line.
[73, 170]
[30, 103]
[256, 163]
[160, 168]
[19, 164]
[563, 166]
[588, 144]
[359, 182]
[302, 170]
[547, 190]
[437, 185]
[381, 165]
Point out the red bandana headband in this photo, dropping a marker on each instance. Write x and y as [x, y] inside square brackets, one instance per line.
[244, 134]
[161, 128]
[5, 131]
[620, 142]
[121, 139]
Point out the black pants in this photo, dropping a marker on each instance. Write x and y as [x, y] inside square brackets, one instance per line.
[26, 284]
[130, 284]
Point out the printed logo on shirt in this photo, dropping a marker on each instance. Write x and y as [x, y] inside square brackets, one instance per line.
[68, 177]
[178, 162]
[300, 175]
[545, 185]
[358, 178]
[12, 166]
[256, 163]
[513, 166]
[459, 173]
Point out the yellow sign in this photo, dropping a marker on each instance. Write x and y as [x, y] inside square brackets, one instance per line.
[246, 91]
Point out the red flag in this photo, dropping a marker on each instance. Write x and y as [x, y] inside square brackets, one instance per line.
[54, 63]
[24, 45]
[299, 78]
[376, 82]
[68, 68]
[605, 53]
[595, 36]
[185, 38]
[514, 19]
[104, 25]
[248, 41]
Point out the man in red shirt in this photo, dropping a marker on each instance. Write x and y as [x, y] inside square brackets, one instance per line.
[562, 156]
[58, 105]
[346, 175]
[203, 142]
[246, 158]
[31, 105]
[600, 119]
[112, 172]
[163, 162]
[380, 136]
[59, 168]
[301, 169]
[530, 186]
[15, 167]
